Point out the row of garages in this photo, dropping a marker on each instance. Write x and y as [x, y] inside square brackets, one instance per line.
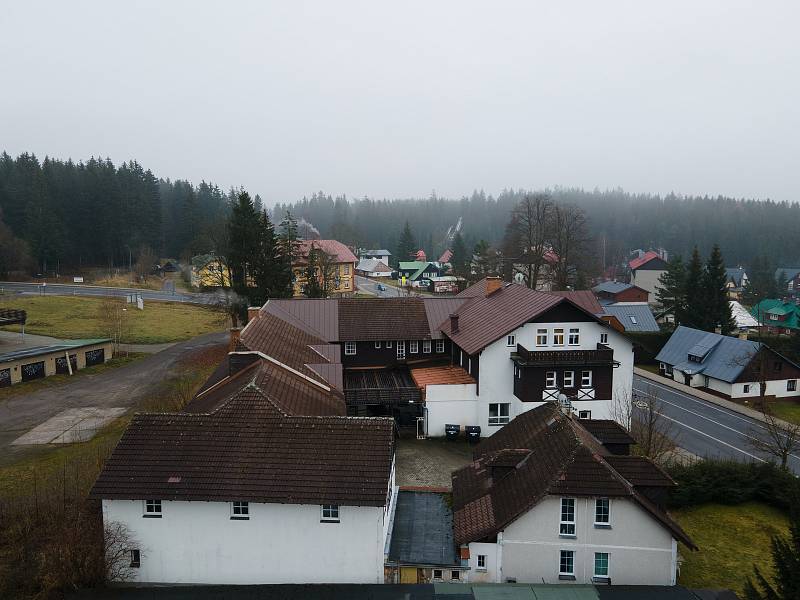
[67, 357]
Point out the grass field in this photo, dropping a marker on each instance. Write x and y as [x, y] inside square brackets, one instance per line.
[731, 539]
[74, 317]
[787, 409]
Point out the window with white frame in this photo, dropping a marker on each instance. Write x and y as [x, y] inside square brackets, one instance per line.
[791, 385]
[541, 337]
[377, 344]
[401, 350]
[426, 346]
[136, 558]
[511, 340]
[413, 347]
[586, 379]
[566, 563]
[349, 348]
[566, 525]
[574, 337]
[347, 269]
[569, 379]
[388, 344]
[329, 513]
[439, 346]
[558, 336]
[498, 413]
[550, 379]
[604, 338]
[601, 564]
[482, 561]
[152, 508]
[602, 512]
[240, 511]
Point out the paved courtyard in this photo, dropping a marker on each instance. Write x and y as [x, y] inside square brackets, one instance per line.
[429, 463]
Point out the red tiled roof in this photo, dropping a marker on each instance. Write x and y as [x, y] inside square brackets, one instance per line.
[442, 375]
[551, 453]
[583, 298]
[645, 258]
[335, 248]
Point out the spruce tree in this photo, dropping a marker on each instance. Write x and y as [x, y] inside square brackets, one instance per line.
[406, 246]
[286, 255]
[716, 307]
[671, 289]
[266, 263]
[462, 259]
[243, 233]
[694, 310]
[785, 563]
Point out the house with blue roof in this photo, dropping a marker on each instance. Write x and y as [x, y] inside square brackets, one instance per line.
[730, 366]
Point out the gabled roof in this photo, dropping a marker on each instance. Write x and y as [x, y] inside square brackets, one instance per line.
[380, 252]
[248, 449]
[638, 263]
[789, 272]
[723, 357]
[510, 307]
[583, 298]
[735, 275]
[612, 287]
[551, 454]
[336, 249]
[446, 256]
[777, 307]
[382, 319]
[740, 315]
[634, 316]
[371, 265]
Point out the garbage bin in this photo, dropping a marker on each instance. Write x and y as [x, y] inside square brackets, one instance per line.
[451, 431]
[473, 433]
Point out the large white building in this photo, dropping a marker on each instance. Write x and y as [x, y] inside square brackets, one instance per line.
[555, 499]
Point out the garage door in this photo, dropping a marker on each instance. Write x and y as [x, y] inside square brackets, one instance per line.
[5, 377]
[33, 371]
[95, 357]
[61, 363]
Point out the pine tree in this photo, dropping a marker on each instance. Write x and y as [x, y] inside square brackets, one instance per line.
[287, 254]
[406, 246]
[785, 562]
[694, 315]
[462, 259]
[716, 307]
[671, 289]
[266, 267]
[243, 232]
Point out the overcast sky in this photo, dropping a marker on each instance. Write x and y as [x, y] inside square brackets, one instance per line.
[395, 99]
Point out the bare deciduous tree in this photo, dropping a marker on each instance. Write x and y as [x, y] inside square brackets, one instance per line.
[113, 318]
[117, 545]
[779, 439]
[570, 238]
[656, 436]
[528, 235]
[144, 263]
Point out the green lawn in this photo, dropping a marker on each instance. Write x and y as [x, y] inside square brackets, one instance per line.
[787, 409]
[731, 540]
[75, 317]
[651, 368]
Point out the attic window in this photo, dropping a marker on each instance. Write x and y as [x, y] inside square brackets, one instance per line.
[633, 319]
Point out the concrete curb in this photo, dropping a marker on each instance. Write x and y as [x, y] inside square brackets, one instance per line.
[711, 398]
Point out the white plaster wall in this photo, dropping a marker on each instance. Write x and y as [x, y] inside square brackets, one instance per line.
[640, 549]
[647, 280]
[197, 542]
[497, 370]
[445, 404]
[491, 573]
[774, 388]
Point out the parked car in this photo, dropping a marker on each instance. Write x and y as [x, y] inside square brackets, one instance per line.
[381, 287]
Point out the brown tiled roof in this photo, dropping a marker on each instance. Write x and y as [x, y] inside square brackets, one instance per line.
[608, 431]
[583, 298]
[318, 317]
[439, 310]
[424, 376]
[551, 454]
[248, 449]
[640, 471]
[336, 249]
[364, 319]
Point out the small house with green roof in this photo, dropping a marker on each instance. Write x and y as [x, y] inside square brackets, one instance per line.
[778, 316]
[417, 271]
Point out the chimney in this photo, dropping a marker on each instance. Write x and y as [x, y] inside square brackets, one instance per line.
[252, 313]
[492, 285]
[743, 334]
[453, 323]
[235, 332]
[718, 330]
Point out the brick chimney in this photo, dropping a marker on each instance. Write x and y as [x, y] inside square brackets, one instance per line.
[453, 323]
[253, 312]
[492, 285]
[235, 333]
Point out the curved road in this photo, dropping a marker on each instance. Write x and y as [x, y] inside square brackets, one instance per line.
[61, 289]
[708, 430]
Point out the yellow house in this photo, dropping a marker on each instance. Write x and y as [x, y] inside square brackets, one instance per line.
[209, 271]
[341, 271]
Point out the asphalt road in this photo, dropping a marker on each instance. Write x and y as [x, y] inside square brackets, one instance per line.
[371, 287]
[122, 387]
[705, 429]
[90, 290]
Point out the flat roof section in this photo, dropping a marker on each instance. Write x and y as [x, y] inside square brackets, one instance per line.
[379, 386]
[423, 531]
[65, 346]
[441, 375]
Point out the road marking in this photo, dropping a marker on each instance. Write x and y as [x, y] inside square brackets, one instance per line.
[703, 433]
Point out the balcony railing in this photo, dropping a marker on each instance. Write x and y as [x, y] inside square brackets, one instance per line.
[551, 394]
[602, 357]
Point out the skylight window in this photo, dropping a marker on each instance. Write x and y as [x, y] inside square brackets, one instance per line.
[633, 319]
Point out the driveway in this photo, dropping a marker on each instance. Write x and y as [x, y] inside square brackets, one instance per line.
[430, 463]
[119, 388]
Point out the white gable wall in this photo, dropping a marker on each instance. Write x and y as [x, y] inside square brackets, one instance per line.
[197, 542]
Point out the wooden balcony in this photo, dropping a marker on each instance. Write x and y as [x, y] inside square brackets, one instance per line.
[602, 357]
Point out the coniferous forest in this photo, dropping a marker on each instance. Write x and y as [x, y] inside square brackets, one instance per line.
[96, 213]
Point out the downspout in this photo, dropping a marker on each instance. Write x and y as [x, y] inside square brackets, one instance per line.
[499, 575]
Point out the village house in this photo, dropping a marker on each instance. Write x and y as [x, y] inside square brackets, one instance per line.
[735, 282]
[791, 278]
[725, 365]
[476, 360]
[381, 255]
[615, 291]
[260, 479]
[777, 316]
[646, 270]
[210, 271]
[555, 499]
[336, 266]
[372, 267]
[631, 317]
[418, 273]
